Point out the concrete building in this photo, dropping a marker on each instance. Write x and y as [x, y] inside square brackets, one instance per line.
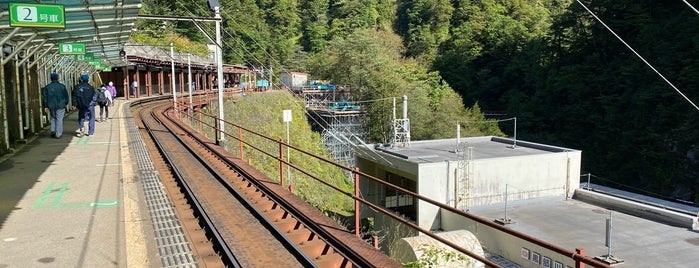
[466, 172]
[544, 201]
[293, 80]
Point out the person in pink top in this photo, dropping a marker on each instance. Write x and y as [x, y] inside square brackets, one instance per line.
[112, 90]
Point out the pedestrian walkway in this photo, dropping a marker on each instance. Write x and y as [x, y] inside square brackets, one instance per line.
[78, 201]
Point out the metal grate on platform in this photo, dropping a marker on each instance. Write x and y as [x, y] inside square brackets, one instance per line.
[171, 242]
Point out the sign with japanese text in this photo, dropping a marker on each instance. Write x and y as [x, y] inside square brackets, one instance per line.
[71, 48]
[37, 15]
[85, 58]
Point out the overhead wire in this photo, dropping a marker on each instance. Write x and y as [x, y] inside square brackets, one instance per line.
[690, 6]
[279, 64]
[317, 116]
[638, 55]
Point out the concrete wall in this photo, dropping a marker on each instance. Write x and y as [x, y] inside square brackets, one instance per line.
[436, 181]
[293, 80]
[503, 244]
[526, 177]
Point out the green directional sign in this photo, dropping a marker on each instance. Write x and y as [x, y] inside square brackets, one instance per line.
[95, 61]
[37, 15]
[87, 57]
[71, 48]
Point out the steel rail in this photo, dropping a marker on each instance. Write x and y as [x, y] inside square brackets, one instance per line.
[558, 249]
[227, 256]
[239, 196]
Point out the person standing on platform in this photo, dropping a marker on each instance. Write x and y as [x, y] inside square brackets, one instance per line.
[104, 100]
[84, 98]
[112, 90]
[54, 98]
[134, 87]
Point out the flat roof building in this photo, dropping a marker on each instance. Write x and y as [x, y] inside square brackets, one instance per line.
[467, 172]
[530, 188]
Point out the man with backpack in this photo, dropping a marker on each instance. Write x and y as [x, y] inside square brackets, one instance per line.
[104, 99]
[84, 99]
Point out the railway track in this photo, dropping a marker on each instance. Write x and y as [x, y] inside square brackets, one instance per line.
[236, 217]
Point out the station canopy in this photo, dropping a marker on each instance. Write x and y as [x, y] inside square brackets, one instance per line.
[101, 26]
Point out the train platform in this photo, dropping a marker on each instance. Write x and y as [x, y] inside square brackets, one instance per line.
[92, 201]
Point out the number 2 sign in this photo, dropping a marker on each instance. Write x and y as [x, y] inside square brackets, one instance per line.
[37, 15]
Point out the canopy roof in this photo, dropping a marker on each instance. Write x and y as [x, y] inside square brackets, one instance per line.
[103, 26]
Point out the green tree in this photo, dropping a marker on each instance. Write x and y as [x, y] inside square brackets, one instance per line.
[489, 49]
[314, 21]
[425, 26]
[372, 62]
[598, 95]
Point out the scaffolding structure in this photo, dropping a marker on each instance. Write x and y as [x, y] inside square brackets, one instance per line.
[340, 121]
[465, 175]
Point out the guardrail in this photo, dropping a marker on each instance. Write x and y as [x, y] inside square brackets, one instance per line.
[242, 137]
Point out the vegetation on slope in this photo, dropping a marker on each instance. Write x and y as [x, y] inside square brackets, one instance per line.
[565, 77]
[262, 113]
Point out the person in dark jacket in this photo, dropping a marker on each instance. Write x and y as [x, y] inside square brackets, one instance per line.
[84, 99]
[54, 99]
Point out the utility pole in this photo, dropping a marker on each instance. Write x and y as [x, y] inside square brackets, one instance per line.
[174, 91]
[189, 81]
[219, 62]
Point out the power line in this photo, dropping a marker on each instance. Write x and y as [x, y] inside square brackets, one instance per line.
[690, 6]
[317, 115]
[638, 55]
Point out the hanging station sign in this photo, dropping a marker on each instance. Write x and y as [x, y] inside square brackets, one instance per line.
[71, 48]
[87, 57]
[37, 15]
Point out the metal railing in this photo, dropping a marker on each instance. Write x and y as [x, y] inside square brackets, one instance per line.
[243, 136]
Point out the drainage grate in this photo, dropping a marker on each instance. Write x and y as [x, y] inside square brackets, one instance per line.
[173, 248]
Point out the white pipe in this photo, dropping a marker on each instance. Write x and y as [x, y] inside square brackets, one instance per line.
[189, 81]
[219, 62]
[31, 51]
[458, 136]
[18, 48]
[174, 90]
[41, 57]
[10, 35]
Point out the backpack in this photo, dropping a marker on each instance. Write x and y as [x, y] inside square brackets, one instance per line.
[101, 98]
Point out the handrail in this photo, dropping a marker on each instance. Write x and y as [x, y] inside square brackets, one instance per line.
[578, 257]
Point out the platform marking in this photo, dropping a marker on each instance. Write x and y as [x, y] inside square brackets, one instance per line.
[105, 204]
[85, 140]
[56, 201]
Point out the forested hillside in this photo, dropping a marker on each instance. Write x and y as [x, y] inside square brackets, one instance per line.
[567, 79]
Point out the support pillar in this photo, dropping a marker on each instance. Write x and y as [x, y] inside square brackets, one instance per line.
[180, 77]
[149, 84]
[127, 83]
[137, 78]
[161, 82]
[209, 81]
